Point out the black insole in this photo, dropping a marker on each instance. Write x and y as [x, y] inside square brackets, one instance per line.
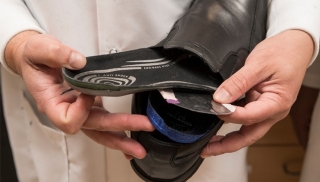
[141, 70]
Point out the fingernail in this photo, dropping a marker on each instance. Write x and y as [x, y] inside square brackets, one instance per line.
[222, 96]
[76, 60]
[134, 156]
[204, 156]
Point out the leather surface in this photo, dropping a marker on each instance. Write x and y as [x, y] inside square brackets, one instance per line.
[221, 32]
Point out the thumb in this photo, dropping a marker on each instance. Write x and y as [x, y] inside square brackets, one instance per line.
[238, 84]
[46, 50]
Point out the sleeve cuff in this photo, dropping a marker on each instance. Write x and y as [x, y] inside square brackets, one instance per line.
[15, 18]
[295, 14]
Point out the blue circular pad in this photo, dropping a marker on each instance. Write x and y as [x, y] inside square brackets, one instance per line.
[178, 124]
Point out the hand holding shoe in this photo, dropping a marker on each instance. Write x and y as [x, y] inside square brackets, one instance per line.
[38, 59]
[271, 78]
[108, 129]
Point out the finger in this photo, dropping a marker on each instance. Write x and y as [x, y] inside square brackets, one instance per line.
[127, 156]
[98, 101]
[252, 95]
[216, 138]
[46, 50]
[102, 120]
[68, 112]
[117, 141]
[266, 60]
[268, 106]
[239, 83]
[234, 141]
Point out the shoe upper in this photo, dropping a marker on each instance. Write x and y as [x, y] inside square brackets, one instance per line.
[221, 32]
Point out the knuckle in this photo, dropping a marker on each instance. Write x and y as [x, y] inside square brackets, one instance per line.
[209, 148]
[251, 120]
[53, 50]
[68, 127]
[56, 50]
[240, 82]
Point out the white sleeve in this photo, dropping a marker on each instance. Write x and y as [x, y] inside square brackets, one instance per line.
[15, 17]
[295, 14]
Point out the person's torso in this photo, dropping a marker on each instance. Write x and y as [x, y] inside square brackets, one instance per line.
[98, 26]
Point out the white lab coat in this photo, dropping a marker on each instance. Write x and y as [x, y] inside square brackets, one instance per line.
[42, 152]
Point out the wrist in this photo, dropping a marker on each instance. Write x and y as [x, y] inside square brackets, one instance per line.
[302, 43]
[13, 53]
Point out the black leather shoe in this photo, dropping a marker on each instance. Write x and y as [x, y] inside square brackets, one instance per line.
[168, 160]
[221, 33]
[204, 47]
